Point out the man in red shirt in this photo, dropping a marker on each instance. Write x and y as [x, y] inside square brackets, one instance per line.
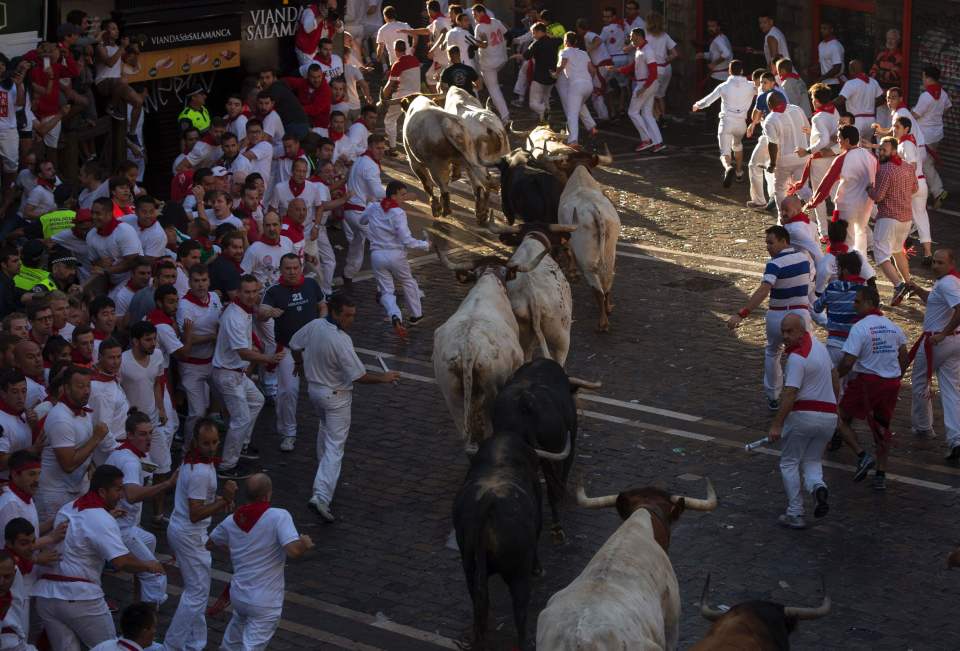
[45, 79]
[314, 95]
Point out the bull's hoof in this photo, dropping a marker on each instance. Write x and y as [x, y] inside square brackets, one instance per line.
[604, 327]
[558, 536]
[610, 307]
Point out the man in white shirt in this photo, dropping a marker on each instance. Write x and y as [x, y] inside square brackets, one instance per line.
[236, 164]
[600, 57]
[113, 245]
[94, 182]
[262, 259]
[292, 151]
[404, 81]
[40, 200]
[153, 239]
[259, 151]
[70, 601]
[806, 419]
[15, 431]
[876, 351]
[129, 457]
[123, 294]
[821, 149]
[323, 353]
[236, 118]
[138, 628]
[388, 35]
[202, 309]
[736, 95]
[490, 34]
[643, 72]
[206, 152]
[830, 56]
[107, 397]
[785, 128]
[234, 351]
[16, 501]
[71, 439]
[719, 53]
[938, 351]
[363, 187]
[861, 95]
[143, 376]
[259, 539]
[912, 153]
[774, 43]
[933, 102]
[461, 36]
[269, 118]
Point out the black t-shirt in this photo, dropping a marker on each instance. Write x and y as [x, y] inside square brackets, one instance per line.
[9, 301]
[299, 307]
[544, 53]
[461, 76]
[287, 105]
[224, 277]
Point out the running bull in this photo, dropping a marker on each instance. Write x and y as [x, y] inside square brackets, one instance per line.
[753, 625]
[627, 596]
[549, 151]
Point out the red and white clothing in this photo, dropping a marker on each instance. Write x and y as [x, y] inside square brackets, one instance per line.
[120, 644]
[311, 28]
[353, 143]
[943, 359]
[830, 53]
[122, 295]
[238, 125]
[783, 52]
[261, 160]
[16, 504]
[389, 34]
[273, 127]
[933, 102]
[576, 86]
[9, 138]
[851, 172]
[438, 54]
[824, 125]
[285, 167]
[640, 111]
[405, 72]
[893, 194]
[196, 371]
[237, 169]
[364, 186]
[861, 93]
[719, 55]
[114, 242]
[312, 193]
[36, 392]
[153, 239]
[736, 96]
[138, 381]
[15, 434]
[205, 152]
[786, 129]
[64, 427]
[110, 407]
[874, 340]
[262, 259]
[492, 58]
[389, 236]
[658, 48]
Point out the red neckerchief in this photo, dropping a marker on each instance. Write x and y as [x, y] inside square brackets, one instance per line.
[246, 516]
[780, 108]
[621, 22]
[236, 264]
[299, 154]
[276, 242]
[208, 139]
[953, 272]
[799, 217]
[8, 409]
[192, 298]
[294, 190]
[131, 287]
[335, 135]
[829, 179]
[91, 500]
[895, 159]
[369, 154]
[248, 310]
[156, 316]
[803, 347]
[77, 358]
[387, 203]
[837, 247]
[100, 334]
[46, 183]
[909, 138]
[294, 230]
[434, 15]
[107, 230]
[76, 232]
[205, 243]
[789, 75]
[829, 107]
[127, 445]
[853, 278]
[120, 211]
[244, 111]
[483, 19]
[126, 645]
[194, 457]
[934, 90]
[297, 285]
[100, 376]
[25, 564]
[26, 498]
[78, 411]
[901, 105]
[862, 77]
[325, 61]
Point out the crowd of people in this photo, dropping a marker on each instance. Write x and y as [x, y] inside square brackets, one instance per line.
[139, 334]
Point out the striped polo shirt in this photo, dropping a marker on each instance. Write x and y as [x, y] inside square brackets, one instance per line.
[837, 299]
[788, 273]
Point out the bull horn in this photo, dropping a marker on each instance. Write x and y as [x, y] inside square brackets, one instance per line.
[808, 613]
[527, 268]
[580, 383]
[502, 229]
[606, 158]
[561, 228]
[512, 132]
[452, 266]
[695, 504]
[593, 502]
[555, 456]
[707, 612]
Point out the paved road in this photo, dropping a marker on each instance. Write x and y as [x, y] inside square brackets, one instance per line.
[680, 397]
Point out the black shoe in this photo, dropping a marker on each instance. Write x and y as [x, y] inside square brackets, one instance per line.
[899, 293]
[864, 465]
[235, 473]
[836, 442]
[728, 177]
[250, 451]
[927, 261]
[879, 483]
[954, 454]
[771, 205]
[415, 319]
[822, 508]
[347, 284]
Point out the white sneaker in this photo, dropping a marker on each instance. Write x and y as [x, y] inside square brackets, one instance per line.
[321, 508]
[287, 444]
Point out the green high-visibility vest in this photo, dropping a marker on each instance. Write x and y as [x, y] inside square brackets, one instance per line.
[55, 221]
[556, 30]
[30, 277]
[200, 119]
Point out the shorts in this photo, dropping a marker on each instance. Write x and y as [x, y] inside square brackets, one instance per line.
[10, 150]
[869, 396]
[107, 86]
[52, 139]
[888, 238]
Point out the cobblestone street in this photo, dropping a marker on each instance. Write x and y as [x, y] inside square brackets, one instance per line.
[680, 396]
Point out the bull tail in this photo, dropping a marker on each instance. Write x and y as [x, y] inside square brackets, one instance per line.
[467, 380]
[599, 275]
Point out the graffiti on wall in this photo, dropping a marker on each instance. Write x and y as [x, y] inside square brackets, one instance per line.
[171, 92]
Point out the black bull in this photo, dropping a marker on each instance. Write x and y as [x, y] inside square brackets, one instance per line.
[526, 192]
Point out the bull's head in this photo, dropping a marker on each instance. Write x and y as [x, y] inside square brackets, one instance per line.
[665, 508]
[568, 158]
[791, 614]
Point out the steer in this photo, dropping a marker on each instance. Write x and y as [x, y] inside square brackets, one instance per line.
[753, 625]
[549, 150]
[434, 139]
[528, 193]
[497, 518]
[627, 596]
[478, 347]
[594, 243]
[483, 126]
[538, 402]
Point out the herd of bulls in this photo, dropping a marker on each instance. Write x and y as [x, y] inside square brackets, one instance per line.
[498, 361]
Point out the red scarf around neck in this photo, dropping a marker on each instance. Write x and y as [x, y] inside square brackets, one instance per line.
[24, 564]
[49, 184]
[895, 159]
[293, 229]
[78, 411]
[387, 203]
[248, 310]
[335, 135]
[369, 154]
[100, 376]
[296, 189]
[953, 272]
[829, 107]
[837, 247]
[194, 457]
[853, 278]
[908, 137]
[800, 217]
[91, 500]
[192, 298]
[273, 242]
[789, 75]
[780, 108]
[296, 285]
[803, 347]
[77, 358]
[246, 516]
[434, 15]
[934, 90]
[483, 19]
[107, 229]
[327, 61]
[244, 111]
[862, 77]
[127, 445]
[156, 316]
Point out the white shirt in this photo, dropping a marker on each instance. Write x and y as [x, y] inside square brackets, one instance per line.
[577, 68]
[236, 333]
[36, 392]
[93, 537]
[197, 481]
[351, 75]
[858, 171]
[363, 182]
[138, 381]
[929, 114]
[41, 199]
[263, 260]
[15, 434]
[153, 239]
[204, 153]
[599, 54]
[110, 406]
[11, 506]
[285, 167]
[943, 298]
[332, 71]
[389, 230]
[258, 556]
[64, 430]
[405, 71]
[830, 54]
[912, 154]
[804, 236]
[861, 96]
[314, 194]
[109, 72]
[205, 321]
[237, 126]
[823, 129]
[811, 375]
[121, 295]
[86, 197]
[462, 39]
[238, 168]
[437, 27]
[389, 34]
[128, 463]
[786, 131]
[273, 127]
[719, 55]
[123, 241]
[167, 341]
[354, 143]
[875, 341]
[614, 38]
[915, 130]
[495, 54]
[783, 50]
[263, 160]
[659, 46]
[114, 645]
[736, 97]
[328, 355]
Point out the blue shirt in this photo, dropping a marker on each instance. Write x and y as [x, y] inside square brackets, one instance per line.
[788, 273]
[762, 100]
[837, 299]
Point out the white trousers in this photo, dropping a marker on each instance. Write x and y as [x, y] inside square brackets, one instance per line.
[599, 99]
[195, 381]
[859, 235]
[640, 112]
[243, 401]
[759, 159]
[805, 436]
[772, 372]
[322, 248]
[946, 367]
[664, 73]
[268, 379]
[920, 216]
[188, 627]
[492, 85]
[730, 133]
[575, 106]
[818, 169]
[391, 268]
[523, 79]
[333, 409]
[783, 177]
[863, 125]
[934, 183]
[288, 392]
[143, 545]
[356, 239]
[539, 98]
[251, 627]
[391, 123]
[75, 625]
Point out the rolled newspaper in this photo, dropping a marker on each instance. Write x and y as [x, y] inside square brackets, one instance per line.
[756, 444]
[383, 365]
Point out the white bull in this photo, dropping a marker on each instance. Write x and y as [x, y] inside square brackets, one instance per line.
[478, 348]
[594, 244]
[549, 151]
[483, 126]
[627, 596]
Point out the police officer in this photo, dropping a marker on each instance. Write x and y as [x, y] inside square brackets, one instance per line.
[32, 277]
[195, 113]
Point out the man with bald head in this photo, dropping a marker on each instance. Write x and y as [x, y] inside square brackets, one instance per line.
[861, 95]
[29, 361]
[806, 419]
[939, 351]
[259, 539]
